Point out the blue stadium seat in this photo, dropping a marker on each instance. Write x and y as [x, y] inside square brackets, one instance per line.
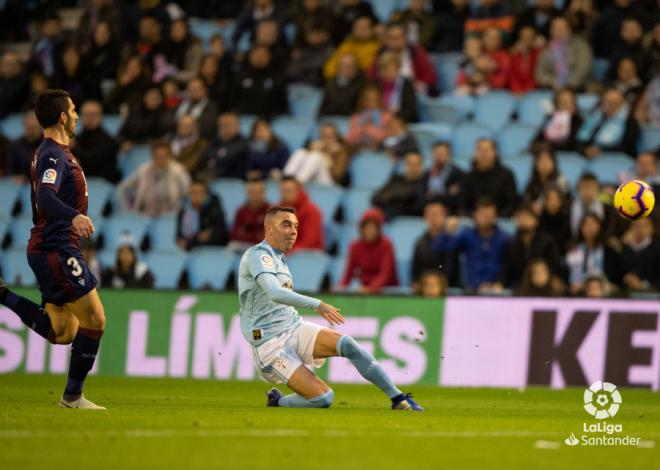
[117, 227]
[9, 192]
[599, 69]
[370, 170]
[26, 201]
[348, 233]
[292, 131]
[608, 165]
[166, 268]
[446, 66]
[232, 196]
[273, 193]
[586, 102]
[436, 110]
[162, 234]
[650, 139]
[404, 232]
[15, 268]
[204, 29]
[304, 101]
[245, 122]
[108, 258]
[507, 225]
[12, 126]
[571, 165]
[20, 228]
[427, 133]
[341, 122]
[99, 192]
[337, 268]
[404, 276]
[466, 135]
[112, 123]
[515, 139]
[4, 227]
[308, 268]
[464, 105]
[209, 267]
[534, 106]
[521, 168]
[327, 198]
[133, 159]
[494, 109]
[384, 8]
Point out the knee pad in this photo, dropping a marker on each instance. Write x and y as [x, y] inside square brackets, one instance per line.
[324, 400]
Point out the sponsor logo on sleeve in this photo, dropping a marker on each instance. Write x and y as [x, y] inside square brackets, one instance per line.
[266, 261]
[49, 177]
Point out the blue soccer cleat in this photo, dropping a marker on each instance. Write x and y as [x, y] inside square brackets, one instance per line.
[274, 396]
[406, 403]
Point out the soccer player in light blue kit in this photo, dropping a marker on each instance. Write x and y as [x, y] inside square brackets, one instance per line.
[282, 344]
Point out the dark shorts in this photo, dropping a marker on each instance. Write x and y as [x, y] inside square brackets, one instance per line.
[63, 275]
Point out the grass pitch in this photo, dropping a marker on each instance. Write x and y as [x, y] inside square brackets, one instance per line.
[181, 424]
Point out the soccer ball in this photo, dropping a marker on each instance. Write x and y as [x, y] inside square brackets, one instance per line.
[634, 199]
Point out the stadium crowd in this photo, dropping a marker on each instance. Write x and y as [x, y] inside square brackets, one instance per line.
[181, 100]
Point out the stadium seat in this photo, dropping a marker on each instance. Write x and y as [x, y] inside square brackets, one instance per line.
[108, 258]
[427, 133]
[370, 170]
[446, 66]
[521, 168]
[404, 232]
[337, 268]
[384, 8]
[232, 195]
[204, 29]
[12, 126]
[166, 268]
[466, 135]
[494, 109]
[4, 228]
[19, 229]
[327, 198]
[308, 268]
[99, 192]
[131, 160]
[209, 267]
[650, 140]
[16, 270]
[162, 233]
[348, 233]
[273, 193]
[404, 276]
[25, 198]
[608, 165]
[464, 105]
[571, 165]
[436, 110]
[304, 101]
[599, 68]
[9, 192]
[292, 131]
[507, 225]
[534, 106]
[116, 228]
[514, 139]
[586, 102]
[112, 123]
[245, 122]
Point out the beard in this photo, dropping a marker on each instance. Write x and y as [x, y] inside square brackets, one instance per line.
[70, 127]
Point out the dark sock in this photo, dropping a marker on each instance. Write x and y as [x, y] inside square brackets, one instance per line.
[83, 354]
[34, 316]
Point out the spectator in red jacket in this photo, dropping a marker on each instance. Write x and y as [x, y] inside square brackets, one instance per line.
[248, 226]
[310, 230]
[524, 55]
[371, 257]
[415, 62]
[500, 70]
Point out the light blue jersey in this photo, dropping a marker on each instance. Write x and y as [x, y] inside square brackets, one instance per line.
[267, 305]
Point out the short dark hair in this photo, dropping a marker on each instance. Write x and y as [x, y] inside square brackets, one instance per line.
[160, 143]
[587, 176]
[201, 182]
[442, 143]
[289, 178]
[49, 106]
[484, 202]
[277, 209]
[526, 207]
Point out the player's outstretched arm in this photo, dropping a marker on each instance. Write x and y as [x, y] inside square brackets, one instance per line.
[330, 313]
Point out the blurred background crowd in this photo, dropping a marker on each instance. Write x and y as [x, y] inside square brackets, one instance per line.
[429, 147]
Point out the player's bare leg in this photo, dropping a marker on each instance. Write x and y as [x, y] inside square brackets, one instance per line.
[89, 313]
[331, 343]
[311, 392]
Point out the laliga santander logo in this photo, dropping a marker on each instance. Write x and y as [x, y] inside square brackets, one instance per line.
[602, 400]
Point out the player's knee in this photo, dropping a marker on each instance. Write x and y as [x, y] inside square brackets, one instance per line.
[324, 400]
[347, 346]
[97, 319]
[65, 333]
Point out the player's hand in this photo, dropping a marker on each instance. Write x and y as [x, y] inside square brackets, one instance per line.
[83, 225]
[330, 313]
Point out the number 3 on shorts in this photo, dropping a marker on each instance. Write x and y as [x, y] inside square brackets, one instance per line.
[76, 270]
